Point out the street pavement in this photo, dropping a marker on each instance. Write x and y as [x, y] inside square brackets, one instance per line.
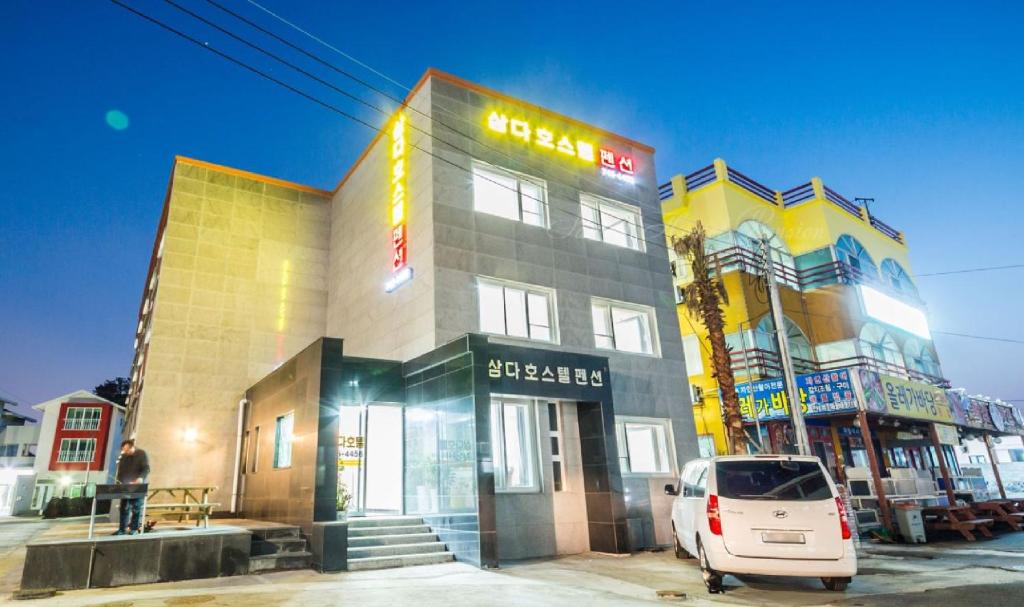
[948, 573]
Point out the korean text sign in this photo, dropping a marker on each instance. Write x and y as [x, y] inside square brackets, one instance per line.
[821, 393]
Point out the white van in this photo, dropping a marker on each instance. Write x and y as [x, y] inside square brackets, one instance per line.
[763, 515]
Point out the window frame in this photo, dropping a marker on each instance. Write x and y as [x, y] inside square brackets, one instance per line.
[78, 441]
[278, 442]
[622, 442]
[499, 448]
[81, 416]
[610, 305]
[549, 294]
[595, 203]
[519, 179]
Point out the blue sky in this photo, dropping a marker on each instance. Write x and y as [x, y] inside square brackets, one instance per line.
[919, 105]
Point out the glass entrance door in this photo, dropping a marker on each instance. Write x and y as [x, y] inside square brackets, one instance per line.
[370, 458]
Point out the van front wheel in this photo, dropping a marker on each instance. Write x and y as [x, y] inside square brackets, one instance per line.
[677, 546]
[836, 584]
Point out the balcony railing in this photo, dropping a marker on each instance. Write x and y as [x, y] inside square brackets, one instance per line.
[801, 193]
[767, 363]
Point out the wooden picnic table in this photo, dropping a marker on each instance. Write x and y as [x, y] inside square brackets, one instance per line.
[1003, 511]
[181, 502]
[956, 518]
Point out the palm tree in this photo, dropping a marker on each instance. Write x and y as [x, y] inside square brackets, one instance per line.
[704, 298]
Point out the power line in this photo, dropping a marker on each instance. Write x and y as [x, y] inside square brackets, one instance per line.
[343, 113]
[1002, 339]
[973, 270]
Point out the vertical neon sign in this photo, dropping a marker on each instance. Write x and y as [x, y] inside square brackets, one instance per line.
[401, 272]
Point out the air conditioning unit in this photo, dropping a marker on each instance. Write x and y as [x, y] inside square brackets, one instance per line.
[696, 393]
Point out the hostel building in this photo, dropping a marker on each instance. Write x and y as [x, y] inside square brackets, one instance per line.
[476, 327]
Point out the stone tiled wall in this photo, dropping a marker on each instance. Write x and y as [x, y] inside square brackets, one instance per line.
[241, 288]
[470, 244]
[373, 323]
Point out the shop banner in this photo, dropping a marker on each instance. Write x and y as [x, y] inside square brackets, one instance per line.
[821, 393]
[978, 415]
[899, 397]
[1006, 418]
[958, 407]
[947, 434]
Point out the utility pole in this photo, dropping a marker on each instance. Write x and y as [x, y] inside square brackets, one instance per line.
[789, 377]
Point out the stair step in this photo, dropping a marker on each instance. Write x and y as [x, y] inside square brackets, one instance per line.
[387, 562]
[394, 550]
[280, 561]
[391, 521]
[276, 532]
[391, 540]
[393, 530]
[288, 544]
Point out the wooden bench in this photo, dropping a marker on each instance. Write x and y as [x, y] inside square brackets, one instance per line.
[956, 518]
[183, 503]
[1002, 512]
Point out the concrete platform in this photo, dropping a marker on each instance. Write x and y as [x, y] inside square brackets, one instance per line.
[60, 557]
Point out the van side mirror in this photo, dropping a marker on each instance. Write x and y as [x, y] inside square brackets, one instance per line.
[671, 490]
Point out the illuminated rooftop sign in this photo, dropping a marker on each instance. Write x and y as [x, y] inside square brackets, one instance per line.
[613, 165]
[894, 312]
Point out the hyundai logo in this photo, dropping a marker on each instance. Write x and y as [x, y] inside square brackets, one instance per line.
[780, 514]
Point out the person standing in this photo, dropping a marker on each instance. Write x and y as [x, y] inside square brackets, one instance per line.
[132, 469]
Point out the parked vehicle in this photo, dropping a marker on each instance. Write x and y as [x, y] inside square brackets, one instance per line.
[764, 515]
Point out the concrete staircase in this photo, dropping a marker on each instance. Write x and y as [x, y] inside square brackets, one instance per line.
[278, 549]
[386, 542]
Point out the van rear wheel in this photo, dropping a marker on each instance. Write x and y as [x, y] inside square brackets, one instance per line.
[712, 578]
[836, 584]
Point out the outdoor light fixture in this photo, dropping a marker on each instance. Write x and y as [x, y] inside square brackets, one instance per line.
[65, 480]
[190, 435]
[892, 311]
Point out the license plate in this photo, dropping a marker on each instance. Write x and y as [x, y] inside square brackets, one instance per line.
[782, 537]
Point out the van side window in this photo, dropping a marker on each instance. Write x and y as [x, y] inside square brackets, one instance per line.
[702, 484]
[690, 481]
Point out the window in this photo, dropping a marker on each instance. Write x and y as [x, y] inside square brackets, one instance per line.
[623, 327]
[851, 252]
[644, 446]
[772, 480]
[9, 450]
[876, 343]
[82, 418]
[706, 444]
[977, 459]
[691, 352]
[514, 446]
[896, 277]
[517, 310]
[555, 434]
[76, 450]
[1016, 455]
[255, 448]
[612, 222]
[283, 436]
[509, 195]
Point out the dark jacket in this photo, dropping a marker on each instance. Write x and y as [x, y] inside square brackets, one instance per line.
[133, 466]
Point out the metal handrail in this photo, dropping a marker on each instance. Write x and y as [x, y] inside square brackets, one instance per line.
[701, 177]
[750, 185]
[766, 362]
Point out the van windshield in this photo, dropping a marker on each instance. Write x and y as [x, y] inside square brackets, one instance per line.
[772, 480]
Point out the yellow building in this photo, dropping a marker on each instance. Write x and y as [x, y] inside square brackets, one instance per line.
[847, 292]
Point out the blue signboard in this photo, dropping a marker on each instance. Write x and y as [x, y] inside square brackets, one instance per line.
[821, 393]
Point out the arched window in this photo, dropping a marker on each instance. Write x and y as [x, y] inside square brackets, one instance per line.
[896, 277]
[799, 346]
[919, 358]
[852, 253]
[877, 343]
[751, 233]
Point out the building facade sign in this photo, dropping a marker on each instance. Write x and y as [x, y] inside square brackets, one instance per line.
[896, 396]
[977, 414]
[1005, 418]
[821, 393]
[546, 373]
[401, 271]
[612, 163]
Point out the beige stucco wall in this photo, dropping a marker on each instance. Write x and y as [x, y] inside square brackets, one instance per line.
[242, 287]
